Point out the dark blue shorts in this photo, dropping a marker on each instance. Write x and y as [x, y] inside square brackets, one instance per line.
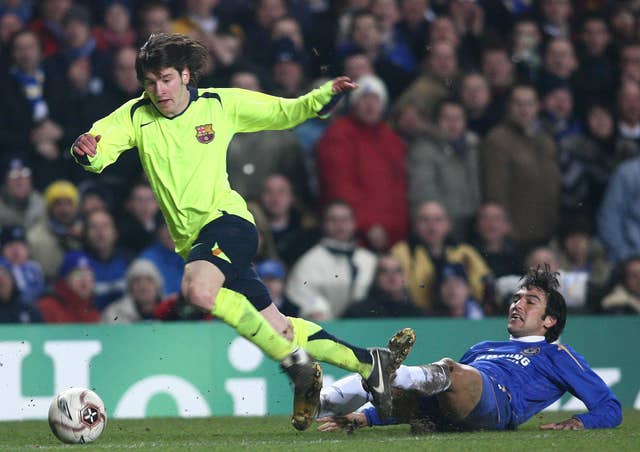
[230, 243]
[493, 411]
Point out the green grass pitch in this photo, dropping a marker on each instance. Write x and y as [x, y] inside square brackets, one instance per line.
[275, 434]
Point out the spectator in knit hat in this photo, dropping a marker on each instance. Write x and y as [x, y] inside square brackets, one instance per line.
[12, 308]
[143, 293]
[27, 273]
[60, 231]
[361, 161]
[19, 202]
[72, 298]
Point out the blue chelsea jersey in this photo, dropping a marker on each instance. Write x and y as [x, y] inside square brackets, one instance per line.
[536, 374]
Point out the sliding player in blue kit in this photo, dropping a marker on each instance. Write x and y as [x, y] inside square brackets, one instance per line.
[495, 385]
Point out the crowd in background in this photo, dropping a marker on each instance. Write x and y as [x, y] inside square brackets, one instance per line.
[485, 137]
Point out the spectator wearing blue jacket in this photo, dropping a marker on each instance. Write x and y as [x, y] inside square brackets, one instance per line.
[162, 253]
[619, 216]
[27, 274]
[109, 263]
[12, 309]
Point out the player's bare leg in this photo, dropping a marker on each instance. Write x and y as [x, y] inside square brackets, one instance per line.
[464, 392]
[202, 286]
[278, 321]
[457, 386]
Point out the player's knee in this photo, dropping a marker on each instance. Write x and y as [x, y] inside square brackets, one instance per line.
[200, 296]
[450, 364]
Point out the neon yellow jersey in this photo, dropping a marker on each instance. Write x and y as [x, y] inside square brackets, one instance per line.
[185, 157]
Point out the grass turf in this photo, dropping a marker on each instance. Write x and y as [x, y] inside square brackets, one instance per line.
[275, 434]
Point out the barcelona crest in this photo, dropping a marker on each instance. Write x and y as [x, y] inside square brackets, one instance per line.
[205, 133]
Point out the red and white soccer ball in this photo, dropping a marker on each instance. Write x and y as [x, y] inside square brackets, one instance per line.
[77, 415]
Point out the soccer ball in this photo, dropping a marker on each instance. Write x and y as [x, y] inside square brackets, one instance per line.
[77, 415]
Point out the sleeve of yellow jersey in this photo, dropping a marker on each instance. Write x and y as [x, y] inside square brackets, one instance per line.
[117, 136]
[251, 111]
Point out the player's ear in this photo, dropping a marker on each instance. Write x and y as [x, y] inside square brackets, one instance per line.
[549, 321]
[186, 76]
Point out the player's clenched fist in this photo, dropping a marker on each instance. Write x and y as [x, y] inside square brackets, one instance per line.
[86, 144]
[343, 84]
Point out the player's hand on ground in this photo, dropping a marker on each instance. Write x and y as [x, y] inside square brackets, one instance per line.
[348, 422]
[86, 144]
[569, 424]
[343, 85]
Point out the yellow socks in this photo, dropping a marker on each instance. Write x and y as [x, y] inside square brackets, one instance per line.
[329, 349]
[235, 310]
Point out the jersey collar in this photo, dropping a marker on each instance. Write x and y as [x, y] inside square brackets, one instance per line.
[527, 339]
[193, 96]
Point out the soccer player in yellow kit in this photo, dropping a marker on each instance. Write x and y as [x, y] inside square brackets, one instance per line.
[182, 134]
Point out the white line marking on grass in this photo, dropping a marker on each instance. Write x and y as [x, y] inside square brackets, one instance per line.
[218, 443]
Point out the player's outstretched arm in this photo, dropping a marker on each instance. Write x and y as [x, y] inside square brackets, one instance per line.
[568, 424]
[604, 410]
[340, 86]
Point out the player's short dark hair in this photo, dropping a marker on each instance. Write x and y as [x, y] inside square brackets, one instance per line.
[544, 279]
[163, 50]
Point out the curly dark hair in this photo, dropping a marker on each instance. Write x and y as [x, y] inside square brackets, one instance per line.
[547, 281]
[174, 50]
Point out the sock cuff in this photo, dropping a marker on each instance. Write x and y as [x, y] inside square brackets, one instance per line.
[298, 356]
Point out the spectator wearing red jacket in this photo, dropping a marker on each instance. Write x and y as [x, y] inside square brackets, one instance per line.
[72, 298]
[361, 160]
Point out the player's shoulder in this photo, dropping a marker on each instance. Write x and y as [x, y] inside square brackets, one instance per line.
[221, 95]
[211, 93]
[487, 345]
[564, 353]
[136, 105]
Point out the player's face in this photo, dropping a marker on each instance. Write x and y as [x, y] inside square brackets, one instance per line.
[527, 313]
[168, 91]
